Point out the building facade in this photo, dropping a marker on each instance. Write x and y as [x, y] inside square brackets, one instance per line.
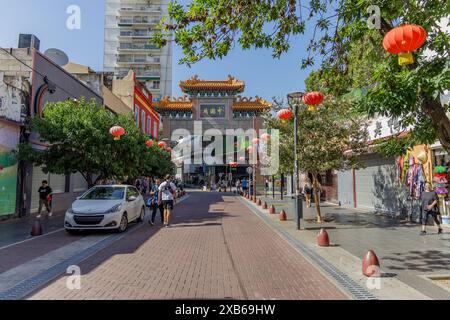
[140, 101]
[128, 27]
[51, 83]
[211, 105]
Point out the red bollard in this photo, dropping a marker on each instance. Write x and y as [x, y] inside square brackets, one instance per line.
[259, 203]
[272, 209]
[370, 264]
[36, 230]
[322, 238]
[282, 215]
[254, 199]
[264, 206]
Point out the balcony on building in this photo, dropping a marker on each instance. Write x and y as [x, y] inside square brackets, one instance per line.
[137, 60]
[137, 21]
[137, 47]
[127, 9]
[141, 74]
[135, 34]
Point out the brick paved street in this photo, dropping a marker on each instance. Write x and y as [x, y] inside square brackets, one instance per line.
[216, 249]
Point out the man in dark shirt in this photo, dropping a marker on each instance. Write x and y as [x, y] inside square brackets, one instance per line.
[44, 192]
[430, 206]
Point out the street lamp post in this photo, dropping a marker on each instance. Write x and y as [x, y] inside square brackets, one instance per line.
[294, 100]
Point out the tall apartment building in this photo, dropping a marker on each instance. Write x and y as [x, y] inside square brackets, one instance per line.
[128, 26]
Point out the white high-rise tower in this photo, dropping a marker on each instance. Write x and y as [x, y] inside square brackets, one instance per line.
[128, 26]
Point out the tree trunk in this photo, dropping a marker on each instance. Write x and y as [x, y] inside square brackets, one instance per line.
[316, 187]
[436, 112]
[89, 180]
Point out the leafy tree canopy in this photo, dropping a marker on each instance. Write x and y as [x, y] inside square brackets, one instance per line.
[79, 141]
[348, 52]
[331, 138]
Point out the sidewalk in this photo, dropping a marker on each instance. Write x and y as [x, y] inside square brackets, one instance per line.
[19, 229]
[409, 262]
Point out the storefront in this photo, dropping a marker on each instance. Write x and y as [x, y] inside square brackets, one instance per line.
[390, 185]
[440, 162]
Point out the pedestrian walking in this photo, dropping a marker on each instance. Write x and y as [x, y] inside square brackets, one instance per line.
[245, 185]
[166, 194]
[137, 184]
[153, 204]
[317, 192]
[430, 207]
[308, 191]
[45, 193]
[238, 186]
[144, 186]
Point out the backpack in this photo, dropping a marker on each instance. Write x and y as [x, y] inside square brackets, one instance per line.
[153, 201]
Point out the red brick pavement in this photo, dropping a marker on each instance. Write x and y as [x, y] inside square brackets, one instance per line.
[216, 249]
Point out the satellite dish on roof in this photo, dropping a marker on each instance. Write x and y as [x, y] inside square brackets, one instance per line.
[57, 56]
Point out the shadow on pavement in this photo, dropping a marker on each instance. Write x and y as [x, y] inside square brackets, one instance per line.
[189, 213]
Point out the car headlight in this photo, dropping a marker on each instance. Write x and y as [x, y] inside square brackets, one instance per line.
[116, 208]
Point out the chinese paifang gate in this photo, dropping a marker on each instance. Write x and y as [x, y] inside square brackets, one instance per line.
[217, 104]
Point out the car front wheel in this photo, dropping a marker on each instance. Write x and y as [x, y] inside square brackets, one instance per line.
[123, 224]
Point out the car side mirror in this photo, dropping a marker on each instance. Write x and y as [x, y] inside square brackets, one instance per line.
[78, 198]
[131, 199]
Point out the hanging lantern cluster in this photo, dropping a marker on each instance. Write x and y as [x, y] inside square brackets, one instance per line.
[162, 145]
[440, 180]
[233, 164]
[313, 99]
[117, 132]
[284, 114]
[149, 143]
[403, 40]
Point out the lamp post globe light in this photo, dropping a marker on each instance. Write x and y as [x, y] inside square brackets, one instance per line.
[295, 101]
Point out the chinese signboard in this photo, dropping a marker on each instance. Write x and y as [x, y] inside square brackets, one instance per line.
[212, 111]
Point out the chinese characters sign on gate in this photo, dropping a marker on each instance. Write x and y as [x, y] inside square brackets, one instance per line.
[212, 111]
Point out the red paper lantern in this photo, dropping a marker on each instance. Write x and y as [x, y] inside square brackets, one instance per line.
[149, 143]
[284, 114]
[266, 136]
[162, 144]
[313, 99]
[233, 164]
[117, 132]
[403, 40]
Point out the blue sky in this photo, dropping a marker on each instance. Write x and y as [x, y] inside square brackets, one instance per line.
[46, 19]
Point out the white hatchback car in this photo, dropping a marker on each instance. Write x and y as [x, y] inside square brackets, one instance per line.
[110, 207]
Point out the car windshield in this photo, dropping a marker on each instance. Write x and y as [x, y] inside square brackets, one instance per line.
[104, 193]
